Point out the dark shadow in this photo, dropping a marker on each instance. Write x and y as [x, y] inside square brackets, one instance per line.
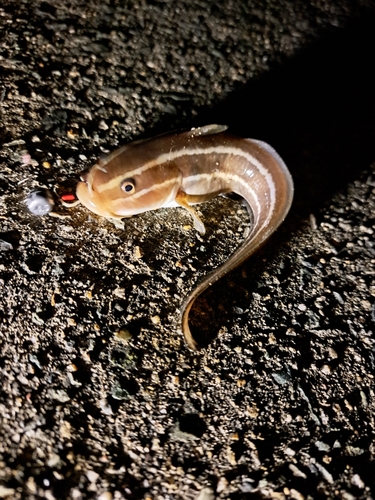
[224, 303]
[318, 111]
[192, 423]
[10, 240]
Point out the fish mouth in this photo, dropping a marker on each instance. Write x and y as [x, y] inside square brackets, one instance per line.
[88, 199]
[82, 192]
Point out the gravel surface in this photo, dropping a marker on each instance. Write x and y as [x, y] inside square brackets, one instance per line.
[100, 398]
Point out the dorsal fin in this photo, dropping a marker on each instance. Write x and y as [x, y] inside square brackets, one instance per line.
[208, 130]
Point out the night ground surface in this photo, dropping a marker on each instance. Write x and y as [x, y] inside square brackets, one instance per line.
[100, 398]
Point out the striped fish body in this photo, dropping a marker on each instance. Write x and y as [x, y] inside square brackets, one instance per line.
[188, 168]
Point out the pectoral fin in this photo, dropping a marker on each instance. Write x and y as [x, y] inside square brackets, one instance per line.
[183, 200]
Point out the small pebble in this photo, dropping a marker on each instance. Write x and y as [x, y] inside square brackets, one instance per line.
[357, 481]
[119, 292]
[65, 430]
[106, 495]
[5, 246]
[92, 476]
[231, 457]
[206, 494]
[103, 125]
[322, 446]
[221, 485]
[53, 460]
[105, 407]
[137, 252]
[6, 492]
[123, 334]
[326, 369]
[297, 472]
[31, 485]
[155, 320]
[75, 494]
[296, 495]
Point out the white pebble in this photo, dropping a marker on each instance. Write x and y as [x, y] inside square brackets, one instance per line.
[106, 495]
[92, 476]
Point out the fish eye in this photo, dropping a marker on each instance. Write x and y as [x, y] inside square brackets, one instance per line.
[128, 186]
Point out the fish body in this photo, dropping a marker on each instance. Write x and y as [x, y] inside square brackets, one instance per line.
[182, 169]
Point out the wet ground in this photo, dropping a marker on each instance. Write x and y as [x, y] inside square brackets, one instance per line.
[100, 398]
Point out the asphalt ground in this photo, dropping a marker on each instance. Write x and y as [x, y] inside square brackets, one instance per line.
[100, 398]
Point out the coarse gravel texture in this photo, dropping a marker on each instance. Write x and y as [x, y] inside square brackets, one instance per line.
[100, 398]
